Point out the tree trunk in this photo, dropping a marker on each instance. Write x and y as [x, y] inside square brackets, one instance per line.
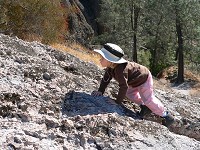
[134, 21]
[179, 53]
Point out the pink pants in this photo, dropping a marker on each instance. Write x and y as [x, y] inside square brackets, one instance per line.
[143, 95]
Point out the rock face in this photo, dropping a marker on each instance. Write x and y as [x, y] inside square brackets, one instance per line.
[91, 12]
[80, 23]
[45, 103]
[82, 20]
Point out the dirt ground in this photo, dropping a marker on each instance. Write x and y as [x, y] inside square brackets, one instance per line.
[166, 79]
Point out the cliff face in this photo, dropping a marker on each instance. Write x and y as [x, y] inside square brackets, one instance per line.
[91, 12]
[45, 103]
[82, 19]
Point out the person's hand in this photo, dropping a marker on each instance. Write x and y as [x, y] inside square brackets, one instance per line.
[96, 93]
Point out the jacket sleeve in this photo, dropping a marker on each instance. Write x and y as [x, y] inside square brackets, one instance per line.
[121, 77]
[105, 81]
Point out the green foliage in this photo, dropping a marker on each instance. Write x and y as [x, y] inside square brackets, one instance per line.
[143, 57]
[156, 30]
[113, 20]
[43, 18]
[191, 15]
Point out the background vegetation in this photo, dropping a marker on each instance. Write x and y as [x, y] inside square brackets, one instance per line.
[165, 32]
[31, 19]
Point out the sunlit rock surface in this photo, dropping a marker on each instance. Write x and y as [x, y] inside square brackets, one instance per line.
[45, 103]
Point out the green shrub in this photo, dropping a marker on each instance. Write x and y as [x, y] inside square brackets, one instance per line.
[44, 18]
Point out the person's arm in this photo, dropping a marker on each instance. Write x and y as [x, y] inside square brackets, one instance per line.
[105, 81]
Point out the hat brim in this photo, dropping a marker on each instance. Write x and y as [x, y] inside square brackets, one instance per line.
[110, 57]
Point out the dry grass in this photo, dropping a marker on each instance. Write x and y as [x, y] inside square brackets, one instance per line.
[195, 79]
[195, 91]
[191, 79]
[79, 52]
[32, 37]
[190, 75]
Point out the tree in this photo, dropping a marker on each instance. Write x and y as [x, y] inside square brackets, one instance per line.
[120, 20]
[179, 51]
[155, 27]
[158, 34]
[134, 23]
[187, 15]
[139, 24]
[190, 14]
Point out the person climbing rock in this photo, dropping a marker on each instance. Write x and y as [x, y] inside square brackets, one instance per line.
[135, 82]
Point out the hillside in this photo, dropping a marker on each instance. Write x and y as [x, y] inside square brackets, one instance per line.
[45, 104]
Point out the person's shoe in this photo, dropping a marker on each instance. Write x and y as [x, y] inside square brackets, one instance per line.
[144, 111]
[168, 120]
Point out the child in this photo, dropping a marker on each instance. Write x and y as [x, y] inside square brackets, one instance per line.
[135, 82]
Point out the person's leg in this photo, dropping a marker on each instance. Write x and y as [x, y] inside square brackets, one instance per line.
[147, 95]
[144, 96]
[148, 98]
[133, 95]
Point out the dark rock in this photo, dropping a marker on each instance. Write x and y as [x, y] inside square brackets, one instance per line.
[47, 76]
[79, 33]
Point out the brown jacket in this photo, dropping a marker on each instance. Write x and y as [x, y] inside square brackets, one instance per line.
[127, 74]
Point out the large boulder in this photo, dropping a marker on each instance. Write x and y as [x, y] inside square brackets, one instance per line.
[45, 103]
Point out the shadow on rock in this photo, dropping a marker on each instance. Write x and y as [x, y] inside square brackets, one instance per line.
[81, 103]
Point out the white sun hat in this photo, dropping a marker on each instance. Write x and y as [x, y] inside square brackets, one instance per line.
[112, 53]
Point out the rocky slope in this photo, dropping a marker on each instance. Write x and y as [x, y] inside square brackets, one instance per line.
[45, 103]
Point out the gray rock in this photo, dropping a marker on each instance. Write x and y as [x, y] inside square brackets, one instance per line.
[46, 76]
[58, 112]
